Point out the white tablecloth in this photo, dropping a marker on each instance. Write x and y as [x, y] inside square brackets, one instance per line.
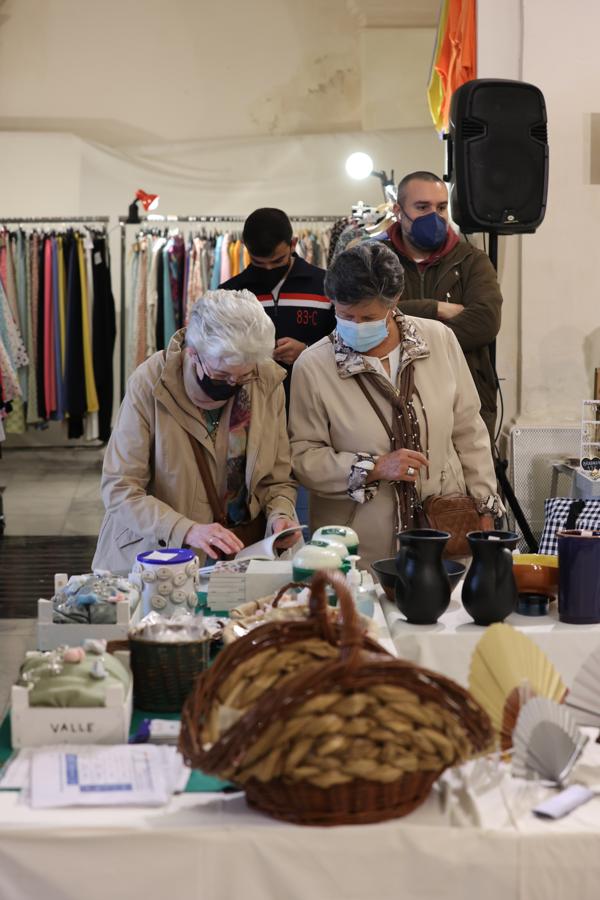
[462, 843]
[447, 646]
[474, 837]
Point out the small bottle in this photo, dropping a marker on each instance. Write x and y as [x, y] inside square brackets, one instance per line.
[363, 593]
[353, 576]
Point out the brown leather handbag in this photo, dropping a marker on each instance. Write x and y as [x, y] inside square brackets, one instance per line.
[248, 532]
[456, 513]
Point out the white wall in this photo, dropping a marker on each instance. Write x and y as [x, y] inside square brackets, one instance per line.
[561, 278]
[394, 77]
[133, 71]
[556, 334]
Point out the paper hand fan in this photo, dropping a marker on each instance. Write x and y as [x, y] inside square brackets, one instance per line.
[546, 741]
[583, 699]
[507, 669]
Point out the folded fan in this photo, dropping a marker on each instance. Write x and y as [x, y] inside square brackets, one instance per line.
[583, 699]
[507, 669]
[546, 741]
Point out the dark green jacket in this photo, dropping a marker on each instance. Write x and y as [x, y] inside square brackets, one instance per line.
[464, 275]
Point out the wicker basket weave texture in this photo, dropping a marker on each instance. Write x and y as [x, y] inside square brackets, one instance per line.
[356, 738]
[259, 662]
[164, 674]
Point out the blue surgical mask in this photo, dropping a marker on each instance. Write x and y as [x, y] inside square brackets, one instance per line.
[428, 232]
[362, 336]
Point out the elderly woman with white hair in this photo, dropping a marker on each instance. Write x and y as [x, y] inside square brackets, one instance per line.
[199, 456]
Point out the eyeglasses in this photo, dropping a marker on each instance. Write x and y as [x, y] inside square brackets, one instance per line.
[221, 378]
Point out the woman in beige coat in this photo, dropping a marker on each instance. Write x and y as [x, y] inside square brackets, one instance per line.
[358, 470]
[216, 391]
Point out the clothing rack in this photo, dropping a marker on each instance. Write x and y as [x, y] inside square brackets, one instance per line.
[191, 220]
[47, 220]
[55, 220]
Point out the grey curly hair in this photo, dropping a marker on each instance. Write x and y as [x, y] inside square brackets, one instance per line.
[367, 271]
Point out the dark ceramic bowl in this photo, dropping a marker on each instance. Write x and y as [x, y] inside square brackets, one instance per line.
[385, 572]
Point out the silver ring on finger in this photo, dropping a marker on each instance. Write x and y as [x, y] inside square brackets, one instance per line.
[410, 471]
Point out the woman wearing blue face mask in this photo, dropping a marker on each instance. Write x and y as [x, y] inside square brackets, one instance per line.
[199, 455]
[384, 413]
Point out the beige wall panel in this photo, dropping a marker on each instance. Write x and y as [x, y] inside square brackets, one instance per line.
[395, 64]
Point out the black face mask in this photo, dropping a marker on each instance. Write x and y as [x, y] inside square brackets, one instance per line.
[266, 279]
[216, 390]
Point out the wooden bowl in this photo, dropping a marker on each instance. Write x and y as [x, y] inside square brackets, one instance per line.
[536, 573]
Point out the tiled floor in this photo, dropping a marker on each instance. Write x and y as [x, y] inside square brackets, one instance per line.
[46, 492]
[52, 491]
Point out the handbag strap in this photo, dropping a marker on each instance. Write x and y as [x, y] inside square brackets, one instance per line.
[376, 408]
[208, 481]
[378, 411]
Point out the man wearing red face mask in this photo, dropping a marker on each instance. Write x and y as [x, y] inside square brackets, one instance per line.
[447, 279]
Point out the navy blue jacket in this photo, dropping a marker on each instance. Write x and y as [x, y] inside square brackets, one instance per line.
[302, 311]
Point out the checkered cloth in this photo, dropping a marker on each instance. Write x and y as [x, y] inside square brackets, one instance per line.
[565, 512]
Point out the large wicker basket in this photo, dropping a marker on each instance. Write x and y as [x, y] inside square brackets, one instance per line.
[357, 737]
[259, 662]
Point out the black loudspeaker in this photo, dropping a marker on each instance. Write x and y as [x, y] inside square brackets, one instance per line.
[497, 156]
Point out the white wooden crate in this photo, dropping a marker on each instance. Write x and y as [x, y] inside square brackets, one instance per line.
[36, 726]
[51, 635]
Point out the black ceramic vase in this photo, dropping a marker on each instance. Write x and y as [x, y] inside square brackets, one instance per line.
[422, 586]
[489, 591]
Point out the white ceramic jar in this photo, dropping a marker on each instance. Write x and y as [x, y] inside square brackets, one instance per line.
[168, 580]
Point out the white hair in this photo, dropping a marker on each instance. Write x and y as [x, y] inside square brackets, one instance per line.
[231, 327]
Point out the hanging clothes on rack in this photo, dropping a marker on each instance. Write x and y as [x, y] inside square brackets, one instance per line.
[167, 274]
[14, 359]
[164, 272]
[364, 223]
[63, 309]
[104, 332]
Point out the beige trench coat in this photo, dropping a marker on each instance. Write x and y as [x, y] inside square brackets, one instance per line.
[151, 487]
[331, 420]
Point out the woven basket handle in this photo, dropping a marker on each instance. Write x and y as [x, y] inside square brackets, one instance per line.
[352, 631]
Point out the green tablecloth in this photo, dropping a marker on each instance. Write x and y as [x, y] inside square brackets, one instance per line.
[198, 783]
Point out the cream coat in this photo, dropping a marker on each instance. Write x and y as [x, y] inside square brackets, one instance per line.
[331, 420]
[151, 487]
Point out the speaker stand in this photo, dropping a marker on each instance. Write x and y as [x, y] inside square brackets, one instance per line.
[500, 464]
[493, 255]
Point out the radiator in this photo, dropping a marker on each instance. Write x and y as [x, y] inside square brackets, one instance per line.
[533, 449]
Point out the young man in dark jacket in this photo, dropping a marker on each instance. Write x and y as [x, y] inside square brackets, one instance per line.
[447, 279]
[290, 289]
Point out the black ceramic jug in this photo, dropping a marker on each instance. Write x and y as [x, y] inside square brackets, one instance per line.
[422, 586]
[489, 591]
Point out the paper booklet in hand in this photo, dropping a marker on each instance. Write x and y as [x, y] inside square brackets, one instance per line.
[256, 571]
[265, 549]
